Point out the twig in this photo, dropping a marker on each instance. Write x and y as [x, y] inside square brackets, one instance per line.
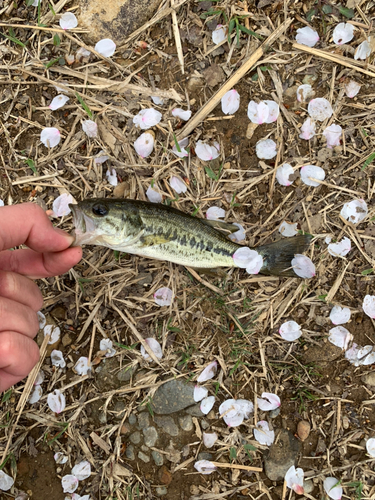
[177, 37]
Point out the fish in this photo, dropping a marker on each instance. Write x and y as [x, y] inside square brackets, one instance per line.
[162, 232]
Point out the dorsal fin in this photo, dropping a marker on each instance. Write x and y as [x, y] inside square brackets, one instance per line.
[221, 226]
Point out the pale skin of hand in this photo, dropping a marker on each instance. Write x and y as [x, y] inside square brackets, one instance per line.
[48, 254]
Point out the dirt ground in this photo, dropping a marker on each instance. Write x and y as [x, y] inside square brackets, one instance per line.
[231, 317]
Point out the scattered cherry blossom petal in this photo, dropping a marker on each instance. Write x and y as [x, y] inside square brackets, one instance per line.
[363, 50]
[369, 359]
[106, 47]
[370, 447]
[208, 373]
[60, 458]
[68, 21]
[219, 34]
[340, 337]
[182, 145]
[54, 331]
[305, 92]
[184, 115]
[352, 88]
[83, 55]
[303, 266]
[311, 171]
[230, 102]
[35, 395]
[82, 367]
[263, 112]
[144, 145]
[352, 355]
[327, 239]
[319, 109]
[288, 229]
[239, 235]
[294, 479]
[200, 392]
[75, 496]
[341, 248]
[82, 470]
[215, 213]
[90, 128]
[290, 331]
[206, 152]
[331, 485]
[36, 3]
[157, 100]
[207, 404]
[42, 320]
[39, 378]
[268, 401]
[163, 296]
[69, 58]
[1, 203]
[111, 175]
[235, 411]
[107, 345]
[50, 137]
[263, 434]
[6, 481]
[209, 439]
[205, 467]
[368, 305]
[147, 118]
[266, 149]
[60, 206]
[101, 158]
[58, 102]
[178, 185]
[333, 135]
[245, 406]
[273, 111]
[307, 36]
[339, 315]
[57, 359]
[56, 401]
[354, 211]
[343, 33]
[248, 259]
[308, 129]
[283, 174]
[153, 195]
[69, 483]
[155, 348]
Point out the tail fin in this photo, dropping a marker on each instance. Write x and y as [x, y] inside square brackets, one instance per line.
[278, 256]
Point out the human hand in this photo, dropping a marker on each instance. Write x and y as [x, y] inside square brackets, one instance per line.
[20, 298]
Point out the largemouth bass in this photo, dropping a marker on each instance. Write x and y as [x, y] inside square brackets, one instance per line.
[165, 233]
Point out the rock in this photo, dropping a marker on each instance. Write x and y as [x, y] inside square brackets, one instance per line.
[125, 429]
[308, 487]
[135, 438]
[142, 456]
[303, 430]
[95, 413]
[119, 410]
[173, 396]
[167, 424]
[193, 36]
[59, 312]
[143, 420]
[116, 19]
[195, 411]
[213, 75]
[151, 436]
[204, 455]
[172, 455]
[325, 353]
[132, 419]
[158, 458]
[282, 455]
[130, 452]
[160, 491]
[369, 379]
[186, 423]
[274, 413]
[106, 375]
[204, 424]
[66, 340]
[126, 374]
[165, 477]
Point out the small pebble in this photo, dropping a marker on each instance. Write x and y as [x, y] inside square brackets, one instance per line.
[308, 487]
[158, 458]
[303, 429]
[132, 419]
[165, 477]
[130, 452]
[142, 456]
[167, 424]
[161, 491]
[203, 455]
[204, 424]
[345, 422]
[135, 438]
[151, 436]
[124, 429]
[143, 420]
[186, 423]
[274, 413]
[145, 448]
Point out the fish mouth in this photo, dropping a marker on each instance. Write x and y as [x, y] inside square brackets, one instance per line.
[78, 219]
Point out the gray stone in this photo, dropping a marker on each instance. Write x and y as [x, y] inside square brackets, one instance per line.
[282, 455]
[308, 487]
[142, 456]
[106, 375]
[126, 374]
[369, 379]
[161, 491]
[167, 424]
[119, 410]
[204, 424]
[145, 448]
[135, 438]
[151, 436]
[173, 396]
[130, 452]
[186, 423]
[158, 458]
[132, 419]
[195, 411]
[203, 455]
[274, 413]
[144, 420]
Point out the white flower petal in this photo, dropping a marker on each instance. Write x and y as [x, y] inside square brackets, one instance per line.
[144, 145]
[6, 482]
[230, 102]
[288, 229]
[39, 378]
[57, 359]
[153, 195]
[206, 152]
[35, 395]
[307, 36]
[54, 331]
[163, 296]
[69, 483]
[283, 173]
[369, 360]
[266, 149]
[354, 211]
[178, 185]
[245, 406]
[339, 315]
[246, 258]
[331, 486]
[352, 88]
[56, 401]
[219, 34]
[106, 47]
[305, 92]
[208, 373]
[36, 3]
[101, 158]
[340, 337]
[200, 393]
[182, 145]
[58, 102]
[107, 345]
[154, 346]
[294, 479]
[147, 118]
[257, 113]
[68, 21]
[363, 50]
[369, 305]
[303, 266]
[343, 33]
[308, 129]
[314, 172]
[50, 137]
[333, 135]
[207, 404]
[290, 331]
[370, 447]
[209, 439]
[82, 367]
[184, 115]
[83, 55]
[263, 434]
[342, 247]
[273, 111]
[232, 413]
[319, 109]
[82, 470]
[112, 176]
[215, 213]
[157, 100]
[90, 128]
[205, 467]
[75, 496]
[60, 205]
[239, 235]
[60, 458]
[268, 401]
[42, 319]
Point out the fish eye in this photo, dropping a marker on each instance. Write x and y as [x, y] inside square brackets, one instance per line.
[100, 210]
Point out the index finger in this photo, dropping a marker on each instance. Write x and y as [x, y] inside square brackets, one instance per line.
[28, 224]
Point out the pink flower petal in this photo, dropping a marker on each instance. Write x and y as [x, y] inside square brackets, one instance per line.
[290, 331]
[90, 128]
[368, 305]
[54, 331]
[111, 175]
[266, 149]
[352, 88]
[303, 266]
[56, 401]
[69, 483]
[305, 92]
[163, 296]
[273, 111]
[60, 458]
[68, 21]
[319, 109]
[144, 145]
[263, 434]
[230, 102]
[340, 337]
[294, 479]
[60, 206]
[332, 486]
[182, 144]
[155, 348]
[288, 229]
[200, 393]
[82, 367]
[209, 439]
[342, 247]
[309, 172]
[205, 467]
[215, 213]
[370, 447]
[307, 36]
[106, 47]
[208, 373]
[207, 404]
[244, 257]
[333, 134]
[153, 195]
[268, 401]
[206, 152]
[339, 315]
[239, 235]
[343, 33]
[354, 211]
[157, 100]
[178, 185]
[219, 34]
[245, 406]
[283, 173]
[363, 50]
[50, 137]
[106, 345]
[35, 397]
[42, 320]
[57, 359]
[308, 129]
[58, 102]
[184, 115]
[82, 470]
[147, 118]
[232, 413]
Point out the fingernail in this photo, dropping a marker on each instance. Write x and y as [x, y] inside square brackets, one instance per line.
[66, 235]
